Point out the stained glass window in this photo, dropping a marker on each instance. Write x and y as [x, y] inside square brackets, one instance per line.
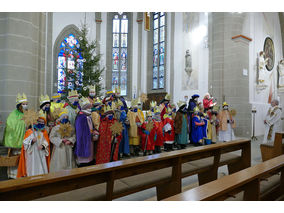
[120, 53]
[67, 57]
[159, 50]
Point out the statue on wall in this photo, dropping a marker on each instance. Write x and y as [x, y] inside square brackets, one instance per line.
[281, 73]
[261, 68]
[188, 63]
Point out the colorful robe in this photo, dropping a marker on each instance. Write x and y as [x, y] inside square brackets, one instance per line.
[124, 144]
[150, 141]
[169, 131]
[62, 155]
[181, 128]
[34, 161]
[134, 118]
[159, 131]
[197, 129]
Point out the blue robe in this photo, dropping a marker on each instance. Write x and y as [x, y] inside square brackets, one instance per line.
[124, 144]
[197, 131]
[191, 106]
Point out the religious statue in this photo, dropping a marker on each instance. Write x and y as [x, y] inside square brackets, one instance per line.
[261, 67]
[188, 66]
[281, 73]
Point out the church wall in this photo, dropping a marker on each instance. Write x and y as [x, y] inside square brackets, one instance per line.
[263, 25]
[190, 32]
[23, 59]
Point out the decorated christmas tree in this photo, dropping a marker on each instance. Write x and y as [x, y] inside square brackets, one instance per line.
[91, 63]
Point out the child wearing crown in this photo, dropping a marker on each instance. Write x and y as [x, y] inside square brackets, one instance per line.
[169, 131]
[181, 127]
[135, 121]
[15, 130]
[35, 154]
[45, 109]
[198, 126]
[73, 106]
[62, 136]
[159, 141]
[84, 147]
[148, 133]
[108, 144]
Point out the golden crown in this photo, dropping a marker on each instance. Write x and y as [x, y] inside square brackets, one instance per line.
[21, 98]
[42, 115]
[134, 103]
[153, 104]
[97, 100]
[44, 99]
[148, 113]
[157, 109]
[64, 111]
[92, 88]
[84, 101]
[56, 95]
[73, 93]
[108, 108]
[168, 97]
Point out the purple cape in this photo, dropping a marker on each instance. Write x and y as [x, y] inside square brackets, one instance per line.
[83, 136]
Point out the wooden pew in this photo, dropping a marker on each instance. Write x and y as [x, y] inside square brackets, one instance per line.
[247, 180]
[274, 149]
[163, 171]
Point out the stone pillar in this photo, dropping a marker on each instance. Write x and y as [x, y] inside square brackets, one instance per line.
[22, 59]
[139, 73]
[228, 56]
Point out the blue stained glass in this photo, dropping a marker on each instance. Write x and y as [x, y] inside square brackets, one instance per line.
[123, 40]
[161, 58]
[155, 83]
[155, 49]
[156, 33]
[62, 45]
[155, 72]
[162, 34]
[162, 47]
[115, 39]
[156, 23]
[161, 83]
[161, 71]
[155, 60]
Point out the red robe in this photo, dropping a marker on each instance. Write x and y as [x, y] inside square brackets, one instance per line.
[22, 172]
[105, 140]
[159, 130]
[150, 143]
[170, 135]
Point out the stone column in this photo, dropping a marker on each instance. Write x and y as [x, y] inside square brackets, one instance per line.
[22, 59]
[139, 73]
[228, 56]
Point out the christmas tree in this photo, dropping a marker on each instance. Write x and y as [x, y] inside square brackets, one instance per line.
[83, 67]
[91, 63]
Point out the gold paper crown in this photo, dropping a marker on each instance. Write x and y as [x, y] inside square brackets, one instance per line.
[153, 104]
[97, 101]
[148, 113]
[21, 98]
[157, 109]
[225, 104]
[168, 97]
[42, 115]
[64, 111]
[196, 109]
[118, 103]
[108, 108]
[143, 97]
[92, 88]
[180, 103]
[109, 92]
[73, 93]
[56, 95]
[43, 99]
[84, 101]
[134, 103]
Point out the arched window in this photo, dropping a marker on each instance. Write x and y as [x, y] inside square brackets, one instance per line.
[120, 52]
[159, 50]
[69, 59]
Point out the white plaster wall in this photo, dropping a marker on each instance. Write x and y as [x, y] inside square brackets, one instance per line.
[103, 47]
[200, 58]
[135, 51]
[262, 25]
[144, 62]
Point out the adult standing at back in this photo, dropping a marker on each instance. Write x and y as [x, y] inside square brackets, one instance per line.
[272, 122]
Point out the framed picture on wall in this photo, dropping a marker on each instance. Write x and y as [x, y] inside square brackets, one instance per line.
[269, 51]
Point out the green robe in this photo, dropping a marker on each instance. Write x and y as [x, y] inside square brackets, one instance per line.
[182, 138]
[15, 130]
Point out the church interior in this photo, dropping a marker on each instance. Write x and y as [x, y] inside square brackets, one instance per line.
[141, 106]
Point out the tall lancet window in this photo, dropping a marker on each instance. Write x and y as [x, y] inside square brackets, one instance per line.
[120, 52]
[159, 50]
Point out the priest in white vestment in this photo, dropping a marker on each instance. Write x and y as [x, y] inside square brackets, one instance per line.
[62, 155]
[272, 122]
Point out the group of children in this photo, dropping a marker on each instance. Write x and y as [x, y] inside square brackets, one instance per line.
[85, 131]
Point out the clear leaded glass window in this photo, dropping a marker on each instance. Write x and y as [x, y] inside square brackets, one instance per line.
[158, 50]
[68, 52]
[119, 52]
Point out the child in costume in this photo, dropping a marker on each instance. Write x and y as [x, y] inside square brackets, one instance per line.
[62, 155]
[15, 131]
[135, 121]
[169, 131]
[181, 127]
[159, 141]
[44, 102]
[84, 148]
[35, 154]
[73, 106]
[197, 128]
[148, 132]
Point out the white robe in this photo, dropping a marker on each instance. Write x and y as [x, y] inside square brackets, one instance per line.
[227, 135]
[36, 158]
[274, 120]
[62, 155]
